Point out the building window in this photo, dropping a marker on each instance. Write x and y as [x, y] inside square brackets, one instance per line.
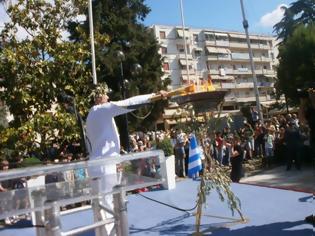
[166, 66]
[164, 50]
[234, 67]
[272, 56]
[197, 53]
[181, 48]
[265, 67]
[209, 37]
[162, 35]
[195, 37]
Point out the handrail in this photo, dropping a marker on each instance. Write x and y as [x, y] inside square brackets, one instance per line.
[46, 169]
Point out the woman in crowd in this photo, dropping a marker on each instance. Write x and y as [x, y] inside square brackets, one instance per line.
[236, 160]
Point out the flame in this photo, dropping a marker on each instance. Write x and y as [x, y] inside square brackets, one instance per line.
[188, 89]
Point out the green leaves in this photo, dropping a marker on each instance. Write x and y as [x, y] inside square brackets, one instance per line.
[301, 12]
[37, 68]
[296, 62]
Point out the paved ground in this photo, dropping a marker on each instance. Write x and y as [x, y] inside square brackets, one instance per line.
[298, 180]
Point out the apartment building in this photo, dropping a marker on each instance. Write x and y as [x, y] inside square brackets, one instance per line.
[220, 57]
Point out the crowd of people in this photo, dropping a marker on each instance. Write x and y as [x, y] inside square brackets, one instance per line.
[282, 139]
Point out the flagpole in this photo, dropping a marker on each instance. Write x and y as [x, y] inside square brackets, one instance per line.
[92, 41]
[252, 66]
[184, 35]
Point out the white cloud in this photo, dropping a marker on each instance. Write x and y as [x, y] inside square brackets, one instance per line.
[272, 18]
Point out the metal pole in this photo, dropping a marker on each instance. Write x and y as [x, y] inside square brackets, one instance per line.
[123, 93]
[184, 35]
[252, 66]
[92, 41]
[120, 207]
[52, 220]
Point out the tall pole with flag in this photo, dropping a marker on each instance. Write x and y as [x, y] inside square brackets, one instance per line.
[194, 159]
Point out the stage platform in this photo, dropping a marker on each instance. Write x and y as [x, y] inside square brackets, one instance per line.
[268, 211]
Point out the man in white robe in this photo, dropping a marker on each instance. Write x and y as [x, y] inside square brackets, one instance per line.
[104, 138]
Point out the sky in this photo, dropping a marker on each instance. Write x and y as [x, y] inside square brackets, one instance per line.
[218, 14]
[210, 14]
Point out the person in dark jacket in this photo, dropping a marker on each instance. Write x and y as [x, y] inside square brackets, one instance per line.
[236, 160]
[292, 141]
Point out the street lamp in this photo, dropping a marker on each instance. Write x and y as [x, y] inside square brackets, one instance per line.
[136, 69]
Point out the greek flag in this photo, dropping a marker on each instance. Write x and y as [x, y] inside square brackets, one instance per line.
[194, 160]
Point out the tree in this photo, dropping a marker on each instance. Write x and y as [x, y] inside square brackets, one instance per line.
[38, 70]
[297, 62]
[301, 12]
[121, 21]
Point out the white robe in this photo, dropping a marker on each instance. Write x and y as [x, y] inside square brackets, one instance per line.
[103, 136]
[102, 131]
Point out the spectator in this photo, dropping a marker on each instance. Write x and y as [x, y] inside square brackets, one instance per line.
[219, 147]
[254, 114]
[249, 138]
[236, 160]
[180, 156]
[292, 141]
[269, 146]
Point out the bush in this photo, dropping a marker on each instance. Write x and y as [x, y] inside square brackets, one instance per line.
[166, 146]
[30, 161]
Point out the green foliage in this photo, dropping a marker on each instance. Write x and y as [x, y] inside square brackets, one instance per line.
[31, 161]
[37, 69]
[301, 12]
[121, 22]
[3, 117]
[297, 62]
[166, 146]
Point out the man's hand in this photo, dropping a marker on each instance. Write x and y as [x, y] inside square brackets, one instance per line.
[164, 94]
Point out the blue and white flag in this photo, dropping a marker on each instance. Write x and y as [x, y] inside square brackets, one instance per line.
[194, 160]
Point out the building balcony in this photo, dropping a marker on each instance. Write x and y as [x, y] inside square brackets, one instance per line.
[181, 40]
[245, 85]
[218, 58]
[213, 72]
[268, 72]
[266, 84]
[266, 59]
[239, 71]
[246, 99]
[210, 43]
[238, 45]
[182, 56]
[190, 71]
[227, 85]
[254, 46]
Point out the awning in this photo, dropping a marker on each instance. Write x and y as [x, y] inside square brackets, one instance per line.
[218, 50]
[269, 76]
[180, 33]
[226, 77]
[221, 34]
[212, 50]
[209, 32]
[254, 37]
[183, 62]
[239, 36]
[223, 51]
